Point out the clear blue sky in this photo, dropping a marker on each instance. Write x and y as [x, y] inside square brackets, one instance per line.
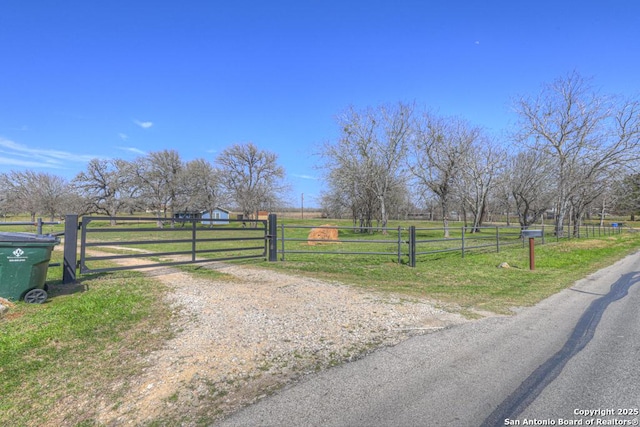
[114, 78]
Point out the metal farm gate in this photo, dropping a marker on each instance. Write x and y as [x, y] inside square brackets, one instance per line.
[115, 243]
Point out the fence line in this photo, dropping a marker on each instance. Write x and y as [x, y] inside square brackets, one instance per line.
[401, 242]
[38, 224]
[397, 241]
[410, 242]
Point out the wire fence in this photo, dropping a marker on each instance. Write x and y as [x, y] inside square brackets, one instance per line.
[389, 243]
[37, 224]
[406, 243]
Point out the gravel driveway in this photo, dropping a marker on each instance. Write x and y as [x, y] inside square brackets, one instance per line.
[240, 339]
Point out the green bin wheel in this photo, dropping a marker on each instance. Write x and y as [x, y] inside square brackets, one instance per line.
[35, 296]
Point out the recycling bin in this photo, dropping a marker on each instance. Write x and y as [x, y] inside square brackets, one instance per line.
[24, 261]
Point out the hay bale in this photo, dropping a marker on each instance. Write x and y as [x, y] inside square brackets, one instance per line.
[327, 234]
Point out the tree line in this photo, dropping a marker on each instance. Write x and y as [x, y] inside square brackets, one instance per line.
[159, 182]
[573, 154]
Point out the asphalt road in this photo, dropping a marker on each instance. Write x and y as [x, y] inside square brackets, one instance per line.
[573, 359]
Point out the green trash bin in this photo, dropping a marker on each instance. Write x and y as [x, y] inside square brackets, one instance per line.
[24, 261]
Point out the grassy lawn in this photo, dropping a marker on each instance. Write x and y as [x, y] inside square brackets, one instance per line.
[473, 282]
[79, 345]
[89, 343]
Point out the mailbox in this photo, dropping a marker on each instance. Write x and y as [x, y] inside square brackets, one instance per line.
[531, 233]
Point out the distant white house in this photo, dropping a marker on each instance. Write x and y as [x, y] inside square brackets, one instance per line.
[220, 217]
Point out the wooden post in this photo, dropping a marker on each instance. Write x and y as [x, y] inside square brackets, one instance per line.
[532, 255]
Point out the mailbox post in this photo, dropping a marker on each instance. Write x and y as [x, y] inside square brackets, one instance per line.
[531, 235]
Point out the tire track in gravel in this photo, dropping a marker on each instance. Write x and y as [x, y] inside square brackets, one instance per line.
[241, 338]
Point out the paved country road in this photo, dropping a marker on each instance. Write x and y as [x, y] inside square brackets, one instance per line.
[573, 359]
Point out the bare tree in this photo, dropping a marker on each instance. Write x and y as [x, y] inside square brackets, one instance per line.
[367, 160]
[334, 204]
[606, 202]
[252, 177]
[591, 187]
[626, 195]
[54, 194]
[107, 186]
[346, 175]
[583, 132]
[348, 192]
[502, 195]
[5, 195]
[201, 188]
[18, 189]
[527, 178]
[438, 149]
[35, 193]
[158, 177]
[480, 167]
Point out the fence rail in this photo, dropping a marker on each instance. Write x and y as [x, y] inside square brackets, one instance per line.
[407, 243]
[397, 242]
[38, 224]
[191, 240]
[465, 239]
[401, 243]
[186, 241]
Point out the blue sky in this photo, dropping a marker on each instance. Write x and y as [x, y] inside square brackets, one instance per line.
[113, 78]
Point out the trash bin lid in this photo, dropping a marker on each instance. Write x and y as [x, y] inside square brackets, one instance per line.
[26, 237]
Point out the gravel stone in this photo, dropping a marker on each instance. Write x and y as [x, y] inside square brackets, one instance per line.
[240, 340]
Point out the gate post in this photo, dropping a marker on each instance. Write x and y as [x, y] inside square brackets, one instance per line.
[412, 246]
[70, 249]
[272, 237]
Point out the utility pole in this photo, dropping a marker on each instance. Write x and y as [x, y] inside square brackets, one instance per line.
[302, 205]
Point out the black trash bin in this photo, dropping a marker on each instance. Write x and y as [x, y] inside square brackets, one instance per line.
[24, 261]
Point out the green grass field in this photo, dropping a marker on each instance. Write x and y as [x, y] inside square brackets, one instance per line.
[474, 282]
